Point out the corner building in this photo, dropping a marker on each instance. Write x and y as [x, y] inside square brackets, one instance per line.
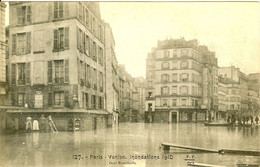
[174, 79]
[56, 63]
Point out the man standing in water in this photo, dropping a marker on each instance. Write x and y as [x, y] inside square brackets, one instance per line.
[42, 124]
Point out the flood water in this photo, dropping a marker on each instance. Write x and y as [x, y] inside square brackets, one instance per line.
[128, 141]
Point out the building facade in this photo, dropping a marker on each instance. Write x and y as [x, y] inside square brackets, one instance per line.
[56, 63]
[176, 77]
[237, 89]
[3, 82]
[112, 76]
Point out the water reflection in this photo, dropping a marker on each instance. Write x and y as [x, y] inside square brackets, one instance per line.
[47, 149]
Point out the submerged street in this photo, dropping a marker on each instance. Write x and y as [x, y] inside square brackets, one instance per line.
[111, 146]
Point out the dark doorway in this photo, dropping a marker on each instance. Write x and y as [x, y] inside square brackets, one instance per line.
[94, 123]
[189, 116]
[174, 117]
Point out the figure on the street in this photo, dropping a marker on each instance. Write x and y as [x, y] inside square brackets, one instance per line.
[52, 125]
[42, 123]
[252, 119]
[35, 125]
[28, 124]
[244, 120]
[229, 119]
[256, 119]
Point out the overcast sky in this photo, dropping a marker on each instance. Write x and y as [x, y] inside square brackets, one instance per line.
[231, 29]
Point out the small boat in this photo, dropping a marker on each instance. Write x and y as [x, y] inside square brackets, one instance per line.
[228, 124]
[217, 124]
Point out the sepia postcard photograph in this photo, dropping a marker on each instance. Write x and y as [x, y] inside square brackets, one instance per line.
[129, 84]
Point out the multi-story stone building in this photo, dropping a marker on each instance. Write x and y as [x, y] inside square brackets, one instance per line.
[175, 82]
[3, 83]
[112, 76]
[254, 93]
[138, 99]
[222, 98]
[237, 89]
[56, 63]
[210, 81]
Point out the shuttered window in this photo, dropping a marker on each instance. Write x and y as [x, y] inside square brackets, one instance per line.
[49, 71]
[66, 38]
[28, 73]
[59, 71]
[87, 45]
[58, 10]
[28, 42]
[24, 14]
[14, 44]
[94, 51]
[66, 71]
[13, 74]
[61, 39]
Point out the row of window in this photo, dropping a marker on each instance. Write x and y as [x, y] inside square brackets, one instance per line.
[60, 99]
[90, 77]
[179, 102]
[92, 101]
[183, 90]
[180, 53]
[89, 47]
[90, 21]
[181, 65]
[24, 13]
[184, 77]
[21, 42]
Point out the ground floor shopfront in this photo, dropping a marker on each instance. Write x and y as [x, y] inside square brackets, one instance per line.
[176, 115]
[64, 120]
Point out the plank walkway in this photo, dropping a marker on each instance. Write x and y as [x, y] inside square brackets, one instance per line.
[166, 146]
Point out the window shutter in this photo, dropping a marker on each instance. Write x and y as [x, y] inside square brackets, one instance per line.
[28, 14]
[84, 42]
[19, 14]
[66, 99]
[55, 10]
[28, 42]
[78, 39]
[66, 38]
[79, 74]
[61, 9]
[49, 71]
[56, 40]
[13, 74]
[28, 73]
[50, 17]
[14, 44]
[67, 71]
[85, 74]
[61, 38]
[90, 48]
[50, 99]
